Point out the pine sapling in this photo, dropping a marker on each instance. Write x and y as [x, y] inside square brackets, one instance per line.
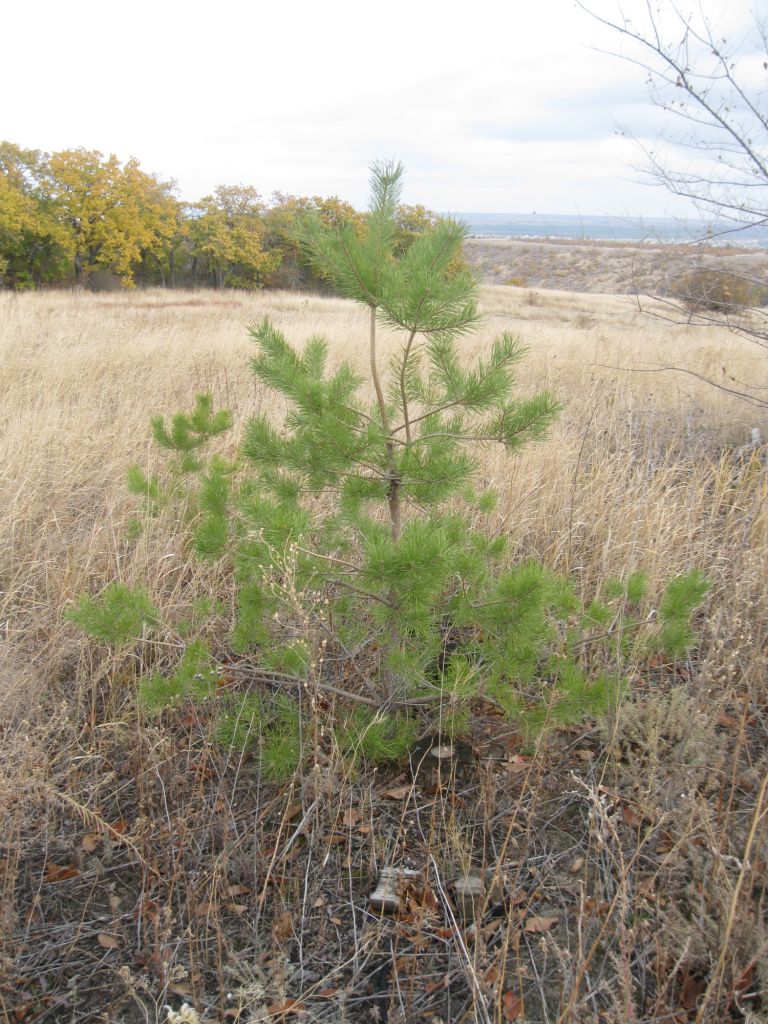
[348, 528]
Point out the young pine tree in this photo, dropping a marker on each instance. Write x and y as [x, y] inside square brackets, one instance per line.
[349, 528]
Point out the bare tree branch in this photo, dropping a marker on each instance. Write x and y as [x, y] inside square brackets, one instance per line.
[713, 151]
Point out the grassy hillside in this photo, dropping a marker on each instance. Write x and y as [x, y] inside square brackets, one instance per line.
[656, 268]
[142, 865]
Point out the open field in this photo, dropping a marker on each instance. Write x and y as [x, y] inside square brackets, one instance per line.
[142, 865]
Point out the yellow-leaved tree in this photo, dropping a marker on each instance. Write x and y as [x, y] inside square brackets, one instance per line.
[227, 234]
[33, 244]
[113, 214]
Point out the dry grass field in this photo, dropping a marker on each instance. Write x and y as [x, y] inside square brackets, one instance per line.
[143, 867]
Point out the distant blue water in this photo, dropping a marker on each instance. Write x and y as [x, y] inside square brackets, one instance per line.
[547, 225]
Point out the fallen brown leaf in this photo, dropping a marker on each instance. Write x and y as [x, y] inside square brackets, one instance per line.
[595, 906]
[398, 793]
[107, 941]
[511, 1005]
[204, 909]
[91, 841]
[237, 890]
[58, 872]
[630, 817]
[536, 925]
[434, 986]
[180, 990]
[287, 1006]
[690, 991]
[351, 817]
[282, 926]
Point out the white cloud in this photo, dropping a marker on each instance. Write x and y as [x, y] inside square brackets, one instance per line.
[495, 107]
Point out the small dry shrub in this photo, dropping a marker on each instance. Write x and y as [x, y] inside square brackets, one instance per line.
[584, 322]
[718, 291]
[668, 745]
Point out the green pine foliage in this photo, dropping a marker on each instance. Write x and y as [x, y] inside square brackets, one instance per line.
[195, 676]
[117, 616]
[350, 528]
[682, 597]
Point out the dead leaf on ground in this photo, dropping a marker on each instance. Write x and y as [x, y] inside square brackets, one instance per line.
[288, 1006]
[351, 817]
[511, 1005]
[91, 841]
[690, 991]
[237, 890]
[397, 793]
[282, 926]
[180, 990]
[58, 872]
[646, 888]
[107, 941]
[204, 909]
[536, 925]
[577, 865]
[630, 817]
[594, 906]
[435, 986]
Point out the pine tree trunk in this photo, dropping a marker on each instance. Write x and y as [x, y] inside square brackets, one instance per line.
[393, 487]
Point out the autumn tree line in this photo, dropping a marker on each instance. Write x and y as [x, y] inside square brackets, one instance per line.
[78, 218]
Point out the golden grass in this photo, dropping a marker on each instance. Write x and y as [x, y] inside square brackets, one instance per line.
[640, 473]
[82, 374]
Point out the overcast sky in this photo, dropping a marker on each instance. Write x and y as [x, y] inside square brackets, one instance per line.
[492, 106]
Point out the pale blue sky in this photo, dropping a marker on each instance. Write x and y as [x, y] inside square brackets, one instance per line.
[492, 106]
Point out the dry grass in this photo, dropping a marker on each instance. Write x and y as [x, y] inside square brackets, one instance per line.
[611, 267]
[199, 883]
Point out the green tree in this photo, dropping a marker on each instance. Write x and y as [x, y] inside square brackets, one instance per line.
[283, 222]
[227, 234]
